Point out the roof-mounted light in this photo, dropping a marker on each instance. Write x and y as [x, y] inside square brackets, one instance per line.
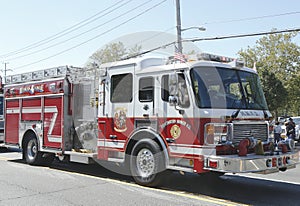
[237, 63]
[213, 57]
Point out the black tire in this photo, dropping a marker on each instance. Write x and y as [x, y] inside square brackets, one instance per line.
[31, 152]
[33, 156]
[147, 163]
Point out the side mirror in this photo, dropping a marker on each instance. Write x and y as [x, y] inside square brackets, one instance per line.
[173, 84]
[173, 100]
[173, 92]
[102, 72]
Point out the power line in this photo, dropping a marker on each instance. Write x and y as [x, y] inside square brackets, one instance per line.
[242, 35]
[253, 18]
[153, 36]
[168, 44]
[151, 50]
[68, 30]
[90, 20]
[78, 35]
[95, 37]
[217, 38]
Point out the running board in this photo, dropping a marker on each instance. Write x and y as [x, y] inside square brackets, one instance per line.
[80, 157]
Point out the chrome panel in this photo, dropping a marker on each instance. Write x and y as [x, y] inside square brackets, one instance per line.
[250, 129]
[251, 163]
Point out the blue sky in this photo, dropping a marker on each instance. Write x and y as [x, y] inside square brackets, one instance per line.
[26, 22]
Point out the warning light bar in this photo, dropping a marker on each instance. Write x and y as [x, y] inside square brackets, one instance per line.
[235, 63]
[213, 57]
[201, 56]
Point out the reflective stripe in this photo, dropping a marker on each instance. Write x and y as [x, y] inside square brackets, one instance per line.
[57, 139]
[26, 110]
[114, 144]
[38, 110]
[191, 151]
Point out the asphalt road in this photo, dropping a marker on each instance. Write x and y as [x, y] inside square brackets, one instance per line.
[78, 184]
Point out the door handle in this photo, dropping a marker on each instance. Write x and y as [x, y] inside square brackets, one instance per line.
[146, 115]
[112, 136]
[170, 140]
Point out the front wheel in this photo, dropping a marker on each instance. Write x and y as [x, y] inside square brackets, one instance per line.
[147, 163]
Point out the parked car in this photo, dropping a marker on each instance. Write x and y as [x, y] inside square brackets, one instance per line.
[283, 123]
[283, 120]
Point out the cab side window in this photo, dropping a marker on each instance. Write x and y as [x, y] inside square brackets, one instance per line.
[121, 88]
[183, 97]
[146, 89]
[165, 88]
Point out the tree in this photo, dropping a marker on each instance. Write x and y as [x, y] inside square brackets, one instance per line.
[277, 59]
[273, 89]
[294, 93]
[113, 52]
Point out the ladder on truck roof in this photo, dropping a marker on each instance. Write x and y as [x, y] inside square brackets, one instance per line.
[55, 72]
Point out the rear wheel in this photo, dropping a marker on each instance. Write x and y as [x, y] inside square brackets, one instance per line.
[32, 154]
[147, 163]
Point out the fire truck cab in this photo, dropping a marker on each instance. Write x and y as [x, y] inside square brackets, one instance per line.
[205, 115]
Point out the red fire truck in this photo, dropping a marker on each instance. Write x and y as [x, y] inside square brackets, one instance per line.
[206, 115]
[1, 112]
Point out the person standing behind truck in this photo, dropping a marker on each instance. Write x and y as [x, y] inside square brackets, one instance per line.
[290, 129]
[277, 132]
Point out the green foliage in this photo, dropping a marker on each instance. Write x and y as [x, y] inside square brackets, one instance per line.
[113, 52]
[294, 93]
[274, 91]
[277, 59]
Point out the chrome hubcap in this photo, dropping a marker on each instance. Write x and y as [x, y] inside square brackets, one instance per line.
[31, 149]
[145, 162]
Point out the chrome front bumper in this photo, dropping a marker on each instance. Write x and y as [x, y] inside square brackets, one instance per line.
[252, 163]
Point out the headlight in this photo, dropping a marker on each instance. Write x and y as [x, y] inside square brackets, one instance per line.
[217, 133]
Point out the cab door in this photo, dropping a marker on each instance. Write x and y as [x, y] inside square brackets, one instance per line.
[145, 103]
[177, 124]
[120, 104]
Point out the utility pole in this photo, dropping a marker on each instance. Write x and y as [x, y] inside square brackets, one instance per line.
[5, 70]
[179, 29]
[178, 18]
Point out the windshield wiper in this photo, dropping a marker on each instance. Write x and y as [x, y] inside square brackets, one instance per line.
[235, 114]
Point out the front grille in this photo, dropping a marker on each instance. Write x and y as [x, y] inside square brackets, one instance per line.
[244, 130]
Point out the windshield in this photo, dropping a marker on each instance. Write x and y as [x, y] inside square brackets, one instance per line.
[227, 88]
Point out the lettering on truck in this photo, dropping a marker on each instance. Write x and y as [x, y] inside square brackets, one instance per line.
[205, 115]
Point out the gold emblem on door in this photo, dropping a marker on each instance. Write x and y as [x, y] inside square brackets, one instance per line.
[175, 131]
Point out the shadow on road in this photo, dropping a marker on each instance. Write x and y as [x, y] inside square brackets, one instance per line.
[233, 188]
[238, 189]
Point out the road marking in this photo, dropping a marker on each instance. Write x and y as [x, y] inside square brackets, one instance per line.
[178, 193]
[4, 158]
[265, 178]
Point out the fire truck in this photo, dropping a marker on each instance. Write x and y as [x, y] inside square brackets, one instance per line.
[208, 114]
[1, 112]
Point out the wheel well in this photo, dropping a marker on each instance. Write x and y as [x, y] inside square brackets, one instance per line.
[26, 136]
[143, 135]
